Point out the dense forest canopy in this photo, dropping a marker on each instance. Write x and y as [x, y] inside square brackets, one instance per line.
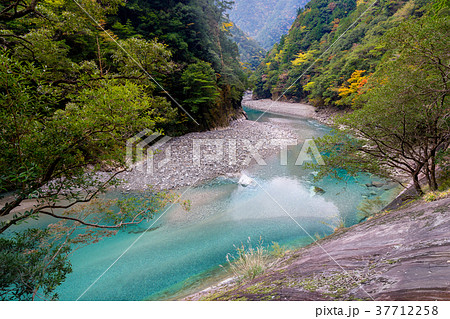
[195, 31]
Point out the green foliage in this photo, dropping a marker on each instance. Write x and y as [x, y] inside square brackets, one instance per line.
[69, 100]
[439, 5]
[251, 52]
[277, 251]
[369, 207]
[162, 37]
[139, 54]
[249, 262]
[47, 153]
[42, 143]
[433, 196]
[402, 121]
[72, 93]
[199, 85]
[317, 29]
[124, 31]
[33, 265]
[195, 31]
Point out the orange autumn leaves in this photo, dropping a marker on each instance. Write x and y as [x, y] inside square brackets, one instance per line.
[352, 88]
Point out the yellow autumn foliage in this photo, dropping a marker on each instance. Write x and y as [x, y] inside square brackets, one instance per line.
[226, 26]
[302, 57]
[353, 84]
[360, 2]
[278, 56]
[308, 87]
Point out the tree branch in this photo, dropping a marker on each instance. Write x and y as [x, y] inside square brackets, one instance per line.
[6, 15]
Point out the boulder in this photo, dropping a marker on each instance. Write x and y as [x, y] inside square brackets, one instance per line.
[318, 190]
[245, 181]
[377, 184]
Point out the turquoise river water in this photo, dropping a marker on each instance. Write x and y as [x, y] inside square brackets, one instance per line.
[183, 251]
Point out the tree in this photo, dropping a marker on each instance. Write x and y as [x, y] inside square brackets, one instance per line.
[31, 261]
[65, 119]
[195, 31]
[70, 97]
[404, 120]
[199, 85]
[53, 159]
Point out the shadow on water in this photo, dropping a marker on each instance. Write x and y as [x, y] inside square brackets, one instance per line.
[140, 231]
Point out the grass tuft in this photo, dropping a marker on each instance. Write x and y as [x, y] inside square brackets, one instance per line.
[249, 262]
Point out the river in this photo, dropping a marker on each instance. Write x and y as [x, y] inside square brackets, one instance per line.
[183, 251]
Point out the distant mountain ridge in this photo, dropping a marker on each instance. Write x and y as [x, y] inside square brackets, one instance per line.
[265, 21]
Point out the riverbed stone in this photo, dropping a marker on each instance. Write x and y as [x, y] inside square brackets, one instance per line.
[318, 190]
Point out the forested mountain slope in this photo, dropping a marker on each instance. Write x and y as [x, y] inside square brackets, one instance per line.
[265, 21]
[208, 80]
[351, 59]
[389, 62]
[250, 51]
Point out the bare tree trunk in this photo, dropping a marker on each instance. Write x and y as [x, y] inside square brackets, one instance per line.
[434, 184]
[415, 177]
[428, 175]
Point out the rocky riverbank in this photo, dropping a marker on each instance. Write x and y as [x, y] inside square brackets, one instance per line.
[302, 110]
[397, 255]
[196, 157]
[278, 107]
